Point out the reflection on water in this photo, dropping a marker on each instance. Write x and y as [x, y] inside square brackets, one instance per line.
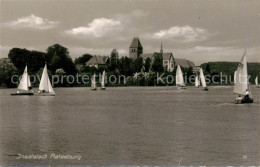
[130, 126]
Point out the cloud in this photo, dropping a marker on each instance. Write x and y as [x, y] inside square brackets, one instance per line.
[32, 22]
[97, 28]
[181, 34]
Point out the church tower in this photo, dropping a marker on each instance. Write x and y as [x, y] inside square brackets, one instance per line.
[135, 48]
[161, 51]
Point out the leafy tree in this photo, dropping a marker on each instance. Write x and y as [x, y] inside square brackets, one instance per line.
[7, 70]
[113, 61]
[58, 57]
[157, 65]
[208, 68]
[147, 64]
[137, 64]
[83, 59]
[34, 59]
[125, 66]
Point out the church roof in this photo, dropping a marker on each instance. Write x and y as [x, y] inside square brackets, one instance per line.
[97, 60]
[184, 63]
[147, 55]
[114, 51]
[191, 63]
[166, 56]
[136, 43]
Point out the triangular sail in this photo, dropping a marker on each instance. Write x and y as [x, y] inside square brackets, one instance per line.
[256, 80]
[93, 81]
[241, 83]
[25, 81]
[179, 77]
[45, 84]
[250, 93]
[103, 80]
[202, 79]
[197, 81]
[235, 74]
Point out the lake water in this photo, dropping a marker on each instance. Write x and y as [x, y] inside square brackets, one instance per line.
[126, 126]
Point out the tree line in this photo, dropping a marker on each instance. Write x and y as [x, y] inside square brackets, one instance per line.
[58, 59]
[59, 62]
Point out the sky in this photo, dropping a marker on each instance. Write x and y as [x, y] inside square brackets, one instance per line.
[198, 30]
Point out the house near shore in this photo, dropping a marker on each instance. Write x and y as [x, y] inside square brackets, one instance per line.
[97, 61]
[169, 62]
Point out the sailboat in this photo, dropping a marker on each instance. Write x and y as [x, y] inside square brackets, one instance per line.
[197, 83]
[203, 81]
[103, 81]
[179, 79]
[242, 87]
[24, 85]
[256, 82]
[235, 74]
[45, 87]
[93, 82]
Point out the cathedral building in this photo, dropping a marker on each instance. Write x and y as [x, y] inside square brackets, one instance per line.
[169, 62]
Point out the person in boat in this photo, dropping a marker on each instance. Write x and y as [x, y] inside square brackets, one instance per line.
[239, 97]
[18, 92]
[30, 88]
[41, 91]
[247, 95]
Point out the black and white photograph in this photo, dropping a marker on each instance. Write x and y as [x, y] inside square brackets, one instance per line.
[129, 83]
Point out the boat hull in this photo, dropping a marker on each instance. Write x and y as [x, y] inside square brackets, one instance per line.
[45, 94]
[94, 89]
[181, 87]
[243, 101]
[22, 94]
[103, 88]
[205, 89]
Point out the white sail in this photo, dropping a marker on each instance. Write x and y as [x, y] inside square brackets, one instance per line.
[235, 74]
[45, 84]
[93, 81]
[197, 81]
[179, 77]
[241, 83]
[256, 80]
[103, 80]
[25, 81]
[202, 79]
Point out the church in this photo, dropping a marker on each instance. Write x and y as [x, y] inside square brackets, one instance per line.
[169, 62]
